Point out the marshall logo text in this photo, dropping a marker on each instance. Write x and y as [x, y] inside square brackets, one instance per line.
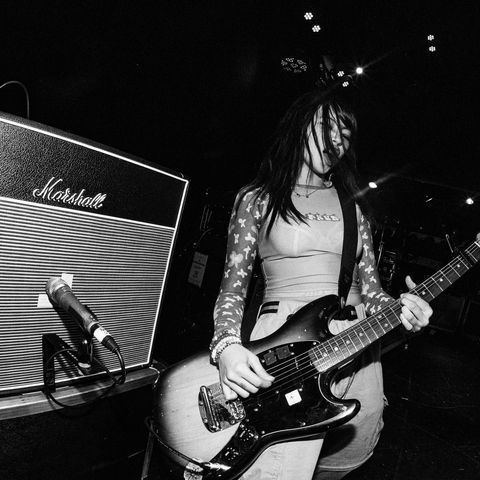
[51, 192]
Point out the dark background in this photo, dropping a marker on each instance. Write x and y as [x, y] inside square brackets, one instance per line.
[198, 87]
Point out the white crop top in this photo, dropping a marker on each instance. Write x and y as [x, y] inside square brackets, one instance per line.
[300, 259]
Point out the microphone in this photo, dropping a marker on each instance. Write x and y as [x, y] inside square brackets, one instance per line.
[61, 294]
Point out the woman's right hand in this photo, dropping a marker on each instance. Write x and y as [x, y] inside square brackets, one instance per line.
[241, 372]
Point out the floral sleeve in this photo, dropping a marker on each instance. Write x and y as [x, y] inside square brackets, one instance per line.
[373, 296]
[242, 250]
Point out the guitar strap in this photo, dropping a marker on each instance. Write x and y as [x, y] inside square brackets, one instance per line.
[349, 249]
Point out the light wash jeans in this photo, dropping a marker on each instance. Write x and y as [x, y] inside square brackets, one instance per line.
[341, 450]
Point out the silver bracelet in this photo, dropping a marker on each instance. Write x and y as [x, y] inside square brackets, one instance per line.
[229, 332]
[222, 345]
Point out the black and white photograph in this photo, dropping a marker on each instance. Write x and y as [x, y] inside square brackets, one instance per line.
[239, 240]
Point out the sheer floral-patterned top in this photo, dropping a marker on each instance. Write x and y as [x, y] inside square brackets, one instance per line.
[299, 260]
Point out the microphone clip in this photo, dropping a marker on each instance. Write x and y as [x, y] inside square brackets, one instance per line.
[85, 355]
[53, 346]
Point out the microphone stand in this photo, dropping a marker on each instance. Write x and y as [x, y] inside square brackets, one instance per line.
[53, 345]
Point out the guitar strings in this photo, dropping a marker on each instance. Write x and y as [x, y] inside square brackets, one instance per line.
[346, 332]
[341, 337]
[304, 367]
[308, 365]
[335, 341]
[289, 370]
[425, 285]
[292, 369]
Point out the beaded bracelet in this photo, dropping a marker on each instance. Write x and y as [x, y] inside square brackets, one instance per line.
[221, 346]
[229, 332]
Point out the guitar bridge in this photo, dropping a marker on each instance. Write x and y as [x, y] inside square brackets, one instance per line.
[216, 412]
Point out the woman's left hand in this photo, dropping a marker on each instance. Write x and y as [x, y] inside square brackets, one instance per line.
[416, 312]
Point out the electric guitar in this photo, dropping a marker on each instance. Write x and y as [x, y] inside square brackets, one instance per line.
[223, 437]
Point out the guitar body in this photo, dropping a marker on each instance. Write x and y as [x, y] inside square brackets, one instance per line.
[192, 416]
[200, 424]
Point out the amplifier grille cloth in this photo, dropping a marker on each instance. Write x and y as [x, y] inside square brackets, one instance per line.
[118, 270]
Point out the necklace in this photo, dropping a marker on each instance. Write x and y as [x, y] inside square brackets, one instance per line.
[306, 195]
[315, 188]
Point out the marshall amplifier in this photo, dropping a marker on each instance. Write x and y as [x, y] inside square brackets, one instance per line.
[104, 221]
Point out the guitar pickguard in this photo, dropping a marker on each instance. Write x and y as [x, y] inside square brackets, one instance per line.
[294, 402]
[293, 407]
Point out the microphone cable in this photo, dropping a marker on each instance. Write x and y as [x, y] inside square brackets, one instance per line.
[72, 351]
[25, 90]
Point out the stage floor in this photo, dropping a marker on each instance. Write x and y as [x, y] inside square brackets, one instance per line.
[432, 422]
[432, 425]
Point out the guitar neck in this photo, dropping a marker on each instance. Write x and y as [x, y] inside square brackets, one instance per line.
[354, 339]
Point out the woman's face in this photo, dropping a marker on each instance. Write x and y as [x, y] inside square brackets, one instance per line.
[322, 158]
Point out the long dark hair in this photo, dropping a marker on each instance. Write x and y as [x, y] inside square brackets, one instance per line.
[283, 162]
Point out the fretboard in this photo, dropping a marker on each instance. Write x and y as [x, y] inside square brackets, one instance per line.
[354, 339]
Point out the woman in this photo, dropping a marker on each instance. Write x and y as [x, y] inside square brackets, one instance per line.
[291, 216]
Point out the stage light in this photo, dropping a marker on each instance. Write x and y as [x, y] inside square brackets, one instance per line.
[432, 48]
[345, 84]
[469, 201]
[359, 70]
[316, 28]
[308, 15]
[372, 185]
[295, 65]
[340, 73]
[430, 38]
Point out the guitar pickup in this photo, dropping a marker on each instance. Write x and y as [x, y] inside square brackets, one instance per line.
[280, 353]
[216, 413]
